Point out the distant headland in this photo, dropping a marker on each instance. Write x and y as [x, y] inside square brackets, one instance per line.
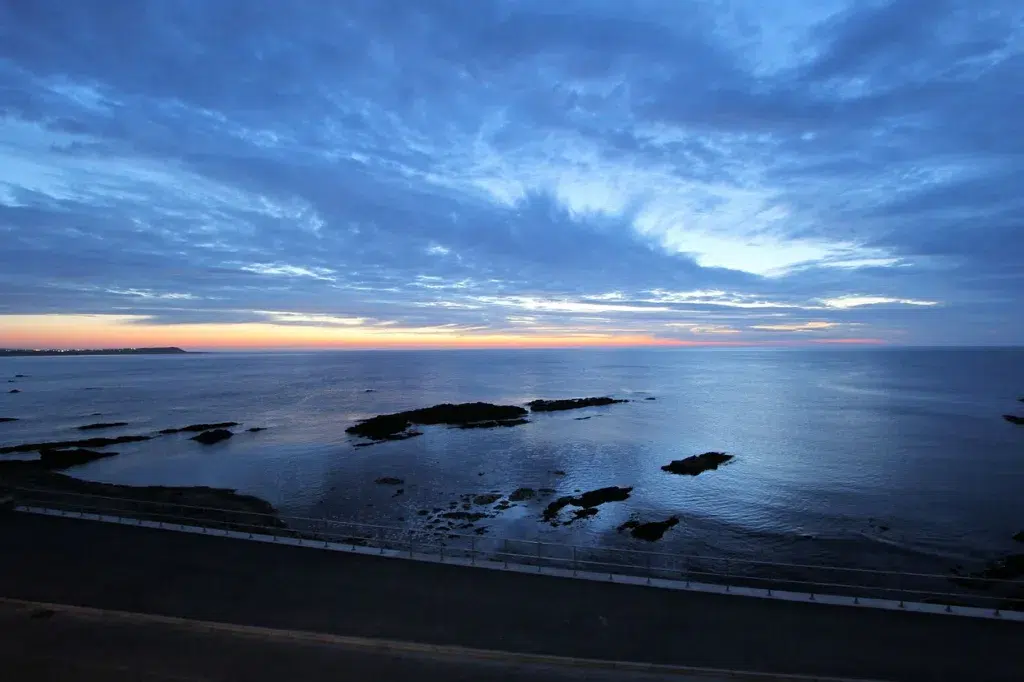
[170, 350]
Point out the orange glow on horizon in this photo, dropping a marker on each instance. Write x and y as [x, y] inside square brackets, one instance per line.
[113, 331]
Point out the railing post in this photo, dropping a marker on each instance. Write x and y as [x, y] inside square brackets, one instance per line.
[574, 561]
[538, 555]
[472, 551]
[504, 551]
[648, 569]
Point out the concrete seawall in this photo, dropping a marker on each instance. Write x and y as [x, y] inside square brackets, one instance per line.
[190, 575]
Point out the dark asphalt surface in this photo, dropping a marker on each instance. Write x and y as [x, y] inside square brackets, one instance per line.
[39, 644]
[208, 578]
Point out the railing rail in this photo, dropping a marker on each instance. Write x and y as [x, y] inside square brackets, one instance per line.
[767, 575]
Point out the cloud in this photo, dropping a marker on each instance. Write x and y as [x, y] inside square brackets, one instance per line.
[853, 301]
[605, 170]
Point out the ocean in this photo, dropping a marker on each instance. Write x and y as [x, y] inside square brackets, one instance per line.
[878, 458]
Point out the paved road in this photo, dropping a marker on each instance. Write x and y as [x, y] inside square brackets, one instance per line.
[210, 578]
[63, 644]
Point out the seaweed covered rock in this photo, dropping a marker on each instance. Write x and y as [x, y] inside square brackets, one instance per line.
[588, 500]
[397, 426]
[571, 403]
[83, 443]
[696, 464]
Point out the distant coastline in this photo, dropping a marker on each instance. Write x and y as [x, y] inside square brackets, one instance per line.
[169, 350]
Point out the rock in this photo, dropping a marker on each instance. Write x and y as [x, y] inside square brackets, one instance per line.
[571, 404]
[632, 523]
[488, 498]
[84, 443]
[464, 516]
[593, 498]
[650, 531]
[479, 473]
[389, 480]
[422, 512]
[195, 428]
[467, 505]
[547, 491]
[1013, 419]
[650, 397]
[400, 491]
[579, 419]
[211, 437]
[521, 495]
[214, 507]
[256, 429]
[23, 376]
[1019, 537]
[14, 390]
[396, 426]
[588, 500]
[557, 472]
[502, 506]
[490, 424]
[102, 425]
[692, 466]
[4, 420]
[368, 390]
[584, 513]
[62, 459]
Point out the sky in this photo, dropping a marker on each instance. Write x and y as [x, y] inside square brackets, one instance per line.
[492, 173]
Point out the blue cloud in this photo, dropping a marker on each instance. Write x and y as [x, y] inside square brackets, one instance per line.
[679, 168]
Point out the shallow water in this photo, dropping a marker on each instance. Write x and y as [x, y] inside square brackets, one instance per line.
[825, 440]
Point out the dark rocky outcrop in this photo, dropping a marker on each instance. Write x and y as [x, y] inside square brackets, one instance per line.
[14, 390]
[557, 472]
[692, 466]
[650, 397]
[651, 531]
[1014, 419]
[389, 480]
[396, 426]
[211, 437]
[256, 429]
[521, 495]
[214, 507]
[584, 513]
[62, 459]
[102, 425]
[4, 420]
[84, 443]
[587, 500]
[195, 428]
[486, 498]
[571, 403]
[490, 424]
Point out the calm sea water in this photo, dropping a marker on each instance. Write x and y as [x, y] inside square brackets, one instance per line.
[824, 440]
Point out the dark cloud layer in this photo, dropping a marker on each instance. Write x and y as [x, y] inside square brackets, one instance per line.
[689, 170]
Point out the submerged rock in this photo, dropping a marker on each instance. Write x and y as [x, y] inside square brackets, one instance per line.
[692, 466]
[650, 397]
[84, 443]
[211, 437]
[1014, 419]
[486, 498]
[4, 420]
[14, 390]
[256, 429]
[396, 426]
[521, 495]
[571, 403]
[389, 480]
[490, 424]
[102, 425]
[195, 428]
[651, 531]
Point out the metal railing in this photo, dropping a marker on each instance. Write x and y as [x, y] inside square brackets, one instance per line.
[728, 572]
